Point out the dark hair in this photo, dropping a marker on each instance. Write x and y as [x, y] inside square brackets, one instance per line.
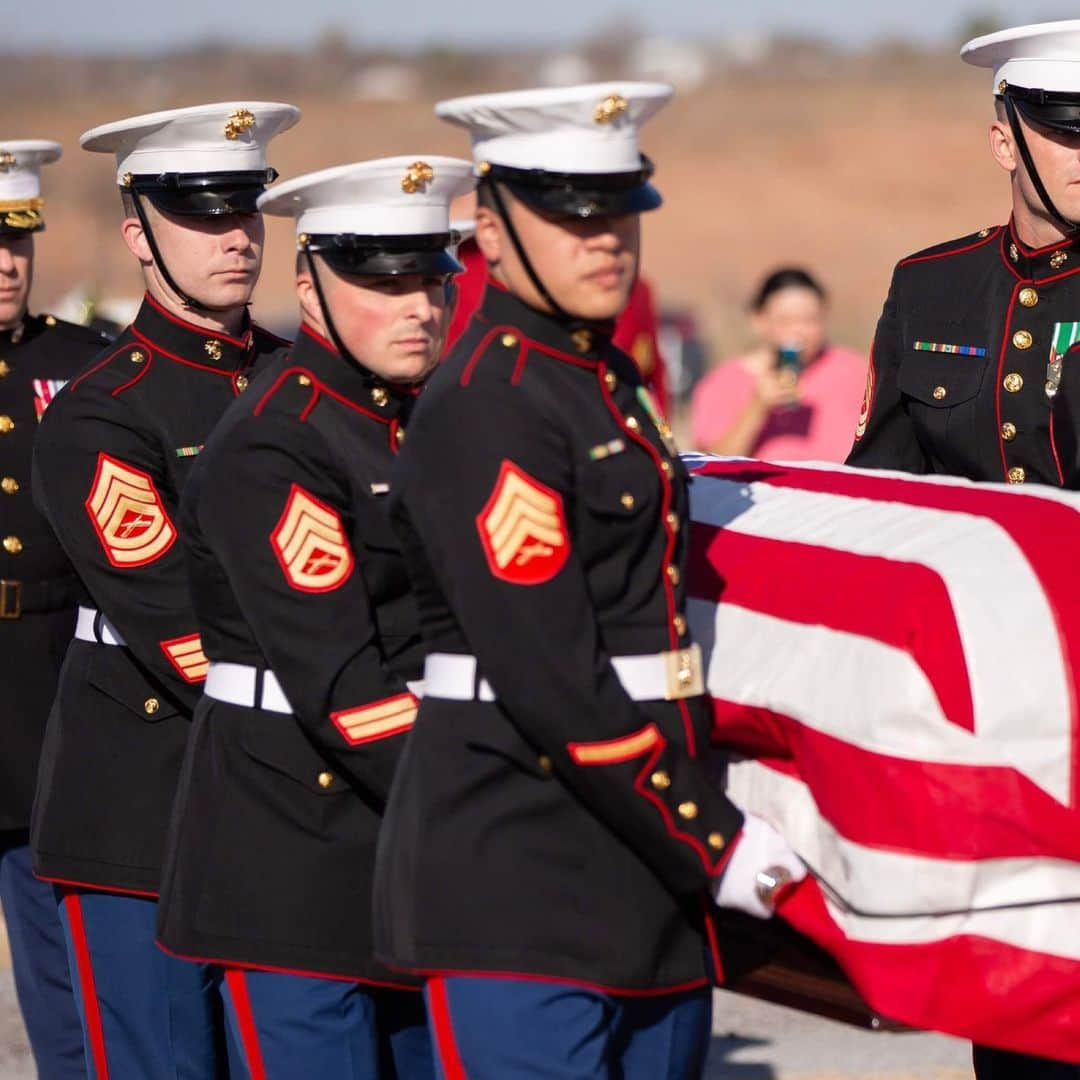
[787, 277]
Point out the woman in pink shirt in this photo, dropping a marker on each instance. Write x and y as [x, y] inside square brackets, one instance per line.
[794, 397]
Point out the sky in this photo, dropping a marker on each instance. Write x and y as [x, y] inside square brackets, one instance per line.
[106, 26]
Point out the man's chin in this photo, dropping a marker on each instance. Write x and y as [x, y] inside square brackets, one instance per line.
[11, 313]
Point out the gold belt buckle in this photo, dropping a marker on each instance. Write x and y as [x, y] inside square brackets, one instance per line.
[685, 677]
[10, 599]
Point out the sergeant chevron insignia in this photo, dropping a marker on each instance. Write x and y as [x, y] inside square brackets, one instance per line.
[523, 529]
[187, 656]
[310, 544]
[128, 515]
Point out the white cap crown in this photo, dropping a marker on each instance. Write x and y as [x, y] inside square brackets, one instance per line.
[572, 129]
[1042, 56]
[20, 170]
[228, 136]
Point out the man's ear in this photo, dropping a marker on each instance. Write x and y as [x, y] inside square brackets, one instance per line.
[489, 235]
[308, 297]
[1003, 146]
[135, 240]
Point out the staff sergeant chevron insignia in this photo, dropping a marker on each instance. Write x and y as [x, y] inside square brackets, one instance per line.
[128, 515]
[523, 529]
[309, 542]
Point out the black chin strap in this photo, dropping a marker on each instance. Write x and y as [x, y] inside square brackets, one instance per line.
[572, 322]
[1070, 227]
[370, 378]
[187, 301]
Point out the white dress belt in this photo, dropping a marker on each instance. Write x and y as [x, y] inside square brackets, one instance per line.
[92, 626]
[664, 676]
[238, 684]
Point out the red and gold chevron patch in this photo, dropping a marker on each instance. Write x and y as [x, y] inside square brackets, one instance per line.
[523, 529]
[379, 720]
[187, 656]
[310, 544]
[128, 515]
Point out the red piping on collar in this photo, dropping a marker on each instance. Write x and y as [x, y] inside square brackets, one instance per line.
[315, 336]
[180, 360]
[243, 343]
[1030, 252]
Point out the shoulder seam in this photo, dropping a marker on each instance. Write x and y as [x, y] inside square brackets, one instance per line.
[982, 241]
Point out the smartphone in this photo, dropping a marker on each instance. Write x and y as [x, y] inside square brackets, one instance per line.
[788, 359]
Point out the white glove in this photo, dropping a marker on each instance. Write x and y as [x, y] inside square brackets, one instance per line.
[761, 862]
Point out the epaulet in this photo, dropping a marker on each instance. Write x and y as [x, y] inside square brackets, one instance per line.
[959, 246]
[76, 331]
[120, 365]
[270, 337]
[293, 392]
[499, 354]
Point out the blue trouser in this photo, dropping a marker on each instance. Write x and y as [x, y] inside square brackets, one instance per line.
[289, 1027]
[144, 1014]
[40, 964]
[505, 1029]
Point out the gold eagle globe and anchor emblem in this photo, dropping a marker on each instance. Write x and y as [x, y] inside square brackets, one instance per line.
[7, 160]
[610, 108]
[417, 177]
[240, 121]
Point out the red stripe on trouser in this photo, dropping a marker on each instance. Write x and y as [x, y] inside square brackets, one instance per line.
[236, 982]
[446, 1047]
[95, 1033]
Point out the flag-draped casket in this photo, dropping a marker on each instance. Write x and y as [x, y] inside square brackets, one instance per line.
[893, 661]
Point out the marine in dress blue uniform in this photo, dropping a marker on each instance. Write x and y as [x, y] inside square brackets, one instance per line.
[313, 639]
[38, 594]
[113, 454]
[553, 844]
[972, 369]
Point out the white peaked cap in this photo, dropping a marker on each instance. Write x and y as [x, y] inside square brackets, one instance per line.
[408, 195]
[570, 129]
[20, 168]
[230, 136]
[1043, 56]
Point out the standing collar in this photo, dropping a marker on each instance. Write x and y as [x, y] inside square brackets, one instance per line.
[502, 307]
[181, 340]
[1037, 264]
[381, 401]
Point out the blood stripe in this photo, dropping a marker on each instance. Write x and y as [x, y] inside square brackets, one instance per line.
[443, 1030]
[95, 1031]
[236, 982]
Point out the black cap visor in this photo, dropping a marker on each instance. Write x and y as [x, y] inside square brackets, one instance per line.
[205, 195]
[580, 195]
[385, 256]
[1055, 111]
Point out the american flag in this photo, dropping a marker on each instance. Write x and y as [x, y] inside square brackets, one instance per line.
[893, 660]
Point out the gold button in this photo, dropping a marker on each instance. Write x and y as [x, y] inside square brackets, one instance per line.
[673, 574]
[717, 840]
[212, 348]
[1008, 431]
[610, 381]
[137, 356]
[1022, 339]
[660, 780]
[1013, 382]
[672, 521]
[304, 380]
[1017, 475]
[983, 234]
[379, 396]
[508, 340]
[679, 622]
[50, 320]
[151, 706]
[632, 424]
[1029, 297]
[939, 392]
[688, 810]
[241, 383]
[1058, 259]
[9, 485]
[5, 368]
[12, 545]
[325, 779]
[399, 436]
[627, 500]
[665, 467]
[6, 424]
[1014, 253]
[545, 763]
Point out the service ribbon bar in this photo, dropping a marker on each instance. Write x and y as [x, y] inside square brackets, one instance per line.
[960, 350]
